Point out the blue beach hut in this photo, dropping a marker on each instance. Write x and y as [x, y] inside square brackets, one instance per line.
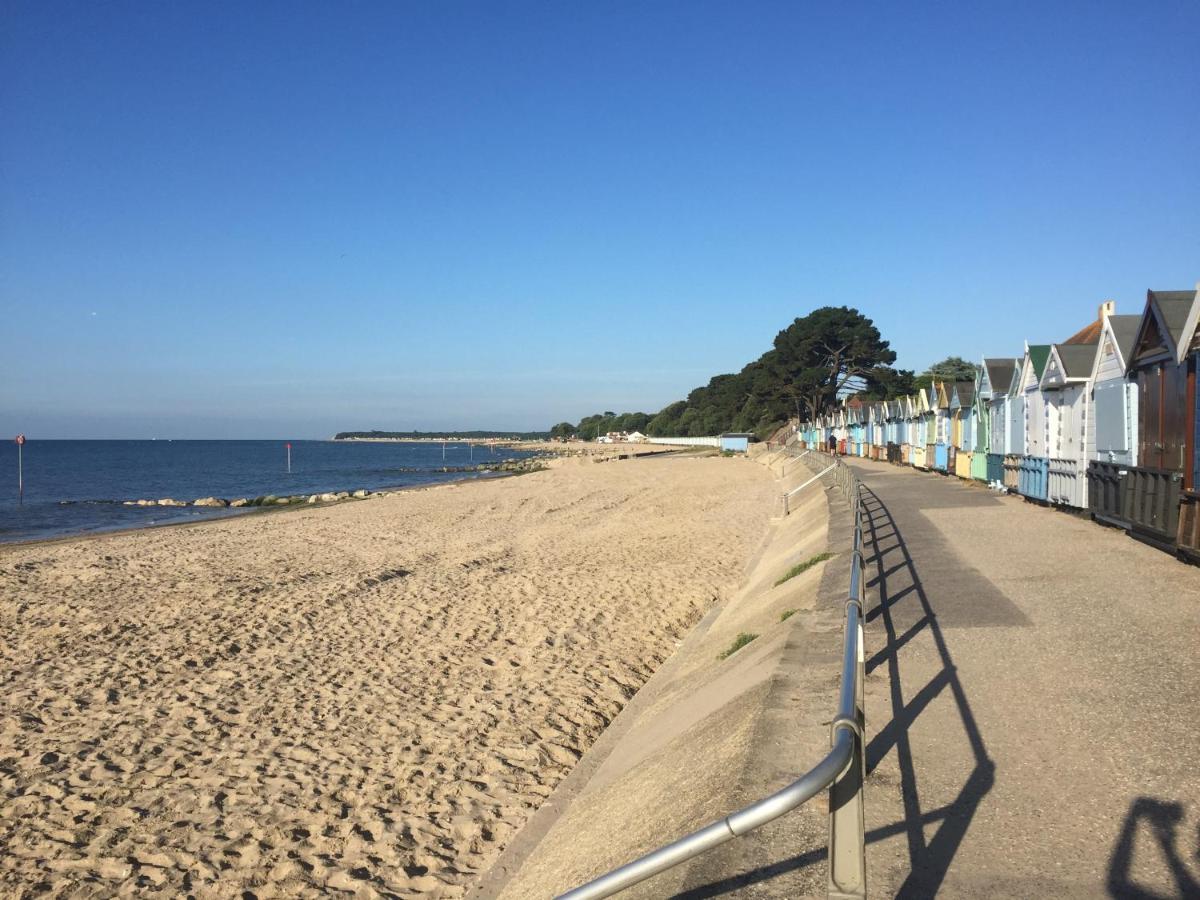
[1033, 465]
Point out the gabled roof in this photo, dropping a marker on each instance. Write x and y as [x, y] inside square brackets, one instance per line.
[939, 395]
[1033, 367]
[1089, 334]
[1077, 359]
[1124, 329]
[1167, 322]
[966, 392]
[1175, 307]
[1000, 373]
[1038, 354]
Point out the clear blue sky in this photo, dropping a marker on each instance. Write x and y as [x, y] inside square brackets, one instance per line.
[281, 220]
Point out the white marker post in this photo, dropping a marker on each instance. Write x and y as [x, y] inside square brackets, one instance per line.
[289, 457]
[20, 470]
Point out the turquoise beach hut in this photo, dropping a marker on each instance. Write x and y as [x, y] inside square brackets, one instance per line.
[1034, 465]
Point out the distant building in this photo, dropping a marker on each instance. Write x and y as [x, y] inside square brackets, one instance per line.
[635, 437]
[736, 442]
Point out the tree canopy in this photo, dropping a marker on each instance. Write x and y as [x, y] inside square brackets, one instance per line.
[952, 368]
[831, 352]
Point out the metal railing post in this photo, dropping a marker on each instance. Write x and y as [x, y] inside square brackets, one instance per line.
[847, 817]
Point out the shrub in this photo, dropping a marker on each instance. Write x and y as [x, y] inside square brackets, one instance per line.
[803, 567]
[738, 643]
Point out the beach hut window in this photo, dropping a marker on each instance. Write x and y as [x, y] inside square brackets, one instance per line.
[1110, 417]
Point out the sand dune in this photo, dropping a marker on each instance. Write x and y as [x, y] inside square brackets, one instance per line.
[368, 698]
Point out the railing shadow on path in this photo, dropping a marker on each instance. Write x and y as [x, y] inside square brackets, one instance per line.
[896, 580]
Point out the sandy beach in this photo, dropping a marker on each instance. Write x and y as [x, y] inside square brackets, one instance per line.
[368, 698]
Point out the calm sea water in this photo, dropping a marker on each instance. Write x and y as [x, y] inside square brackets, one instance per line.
[91, 475]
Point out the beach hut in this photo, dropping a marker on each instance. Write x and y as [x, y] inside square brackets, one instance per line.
[1033, 467]
[895, 423]
[940, 436]
[878, 411]
[841, 430]
[1014, 441]
[906, 428]
[921, 455]
[981, 431]
[856, 426]
[962, 430]
[1188, 540]
[1112, 426]
[1066, 387]
[1152, 490]
[997, 379]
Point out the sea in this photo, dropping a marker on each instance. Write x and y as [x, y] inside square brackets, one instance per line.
[78, 487]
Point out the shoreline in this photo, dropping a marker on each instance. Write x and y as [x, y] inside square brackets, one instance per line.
[606, 452]
[237, 513]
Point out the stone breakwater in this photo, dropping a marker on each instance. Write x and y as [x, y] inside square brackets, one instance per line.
[265, 500]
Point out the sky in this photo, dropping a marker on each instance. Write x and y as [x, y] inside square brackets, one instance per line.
[276, 220]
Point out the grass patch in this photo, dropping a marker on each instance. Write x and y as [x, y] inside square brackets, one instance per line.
[803, 567]
[786, 614]
[738, 643]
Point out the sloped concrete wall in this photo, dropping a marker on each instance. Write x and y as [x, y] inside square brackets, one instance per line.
[707, 736]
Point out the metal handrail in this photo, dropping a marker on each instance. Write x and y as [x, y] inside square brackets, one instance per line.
[842, 770]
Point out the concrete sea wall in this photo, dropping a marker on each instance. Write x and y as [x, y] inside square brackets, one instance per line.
[708, 735]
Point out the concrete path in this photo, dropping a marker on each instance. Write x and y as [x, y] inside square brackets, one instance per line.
[1033, 700]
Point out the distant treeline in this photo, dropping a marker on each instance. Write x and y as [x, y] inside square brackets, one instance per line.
[831, 352]
[442, 435]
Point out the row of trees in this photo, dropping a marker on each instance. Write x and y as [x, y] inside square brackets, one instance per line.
[832, 352]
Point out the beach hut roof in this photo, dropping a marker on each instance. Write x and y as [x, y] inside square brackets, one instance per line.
[1120, 332]
[1033, 366]
[1038, 354]
[1167, 324]
[1175, 307]
[1090, 334]
[965, 391]
[1000, 372]
[1124, 329]
[1077, 359]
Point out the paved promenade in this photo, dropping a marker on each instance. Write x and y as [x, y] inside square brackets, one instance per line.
[1033, 700]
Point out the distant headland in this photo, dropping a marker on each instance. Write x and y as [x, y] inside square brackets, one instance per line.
[441, 435]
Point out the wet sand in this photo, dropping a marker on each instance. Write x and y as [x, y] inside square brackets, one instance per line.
[368, 698]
